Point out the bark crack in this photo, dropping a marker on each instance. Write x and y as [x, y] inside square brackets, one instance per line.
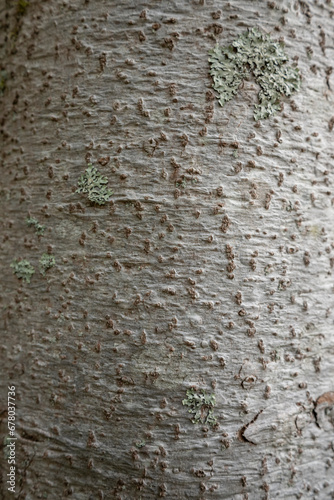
[241, 432]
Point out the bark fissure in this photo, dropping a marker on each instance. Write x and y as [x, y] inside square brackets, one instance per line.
[241, 432]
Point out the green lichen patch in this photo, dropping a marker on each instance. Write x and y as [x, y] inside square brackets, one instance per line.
[141, 443]
[46, 262]
[22, 6]
[23, 269]
[256, 53]
[94, 185]
[31, 221]
[201, 406]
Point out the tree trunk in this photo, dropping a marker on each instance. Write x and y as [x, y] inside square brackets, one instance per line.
[209, 272]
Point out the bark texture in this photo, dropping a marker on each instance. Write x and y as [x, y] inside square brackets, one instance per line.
[212, 266]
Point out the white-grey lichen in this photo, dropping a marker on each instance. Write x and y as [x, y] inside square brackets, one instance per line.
[94, 185]
[254, 52]
[201, 406]
[23, 269]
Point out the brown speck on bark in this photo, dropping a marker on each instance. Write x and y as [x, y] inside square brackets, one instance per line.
[322, 41]
[225, 224]
[103, 61]
[316, 363]
[331, 124]
[216, 15]
[169, 43]
[267, 392]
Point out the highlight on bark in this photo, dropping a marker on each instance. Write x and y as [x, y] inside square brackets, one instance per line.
[254, 52]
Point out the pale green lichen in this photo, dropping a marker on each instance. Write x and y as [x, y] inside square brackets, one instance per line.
[201, 406]
[31, 221]
[23, 269]
[46, 262]
[141, 443]
[94, 185]
[254, 52]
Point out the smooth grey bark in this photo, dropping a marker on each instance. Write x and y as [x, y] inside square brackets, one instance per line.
[211, 267]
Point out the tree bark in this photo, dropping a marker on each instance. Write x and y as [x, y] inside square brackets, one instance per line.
[210, 268]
